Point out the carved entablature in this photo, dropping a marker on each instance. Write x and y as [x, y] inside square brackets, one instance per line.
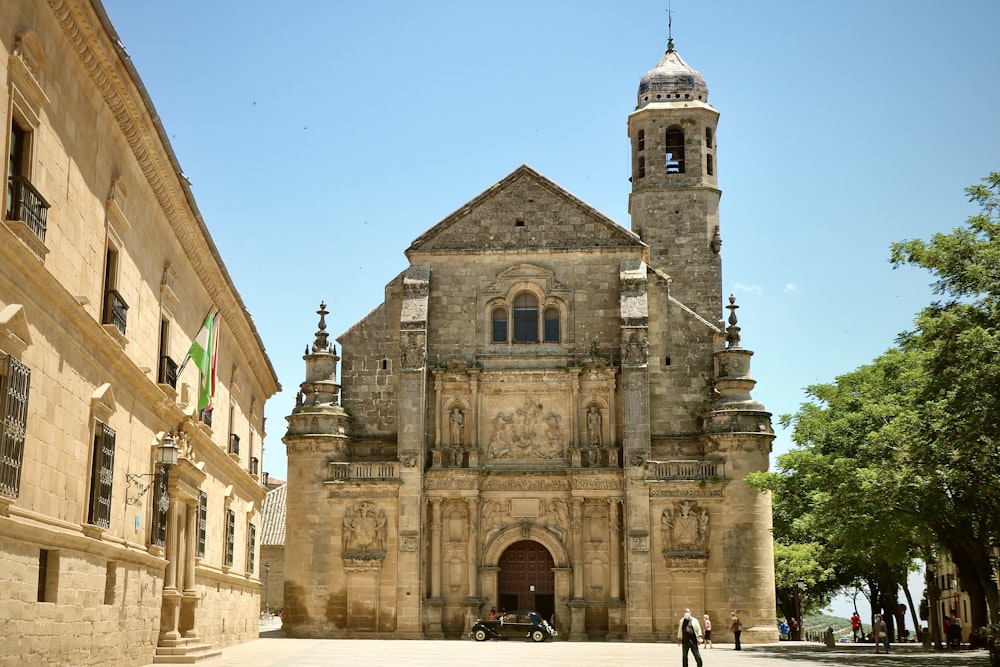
[451, 479]
[686, 491]
[597, 483]
[733, 421]
[525, 484]
[684, 528]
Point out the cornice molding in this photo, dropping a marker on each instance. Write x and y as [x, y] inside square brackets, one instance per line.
[125, 100]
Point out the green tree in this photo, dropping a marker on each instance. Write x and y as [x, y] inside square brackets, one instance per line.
[957, 444]
[845, 487]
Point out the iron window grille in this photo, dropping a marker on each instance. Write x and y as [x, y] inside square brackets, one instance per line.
[102, 477]
[115, 310]
[230, 536]
[14, 385]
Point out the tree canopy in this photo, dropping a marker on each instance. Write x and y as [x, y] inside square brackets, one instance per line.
[901, 456]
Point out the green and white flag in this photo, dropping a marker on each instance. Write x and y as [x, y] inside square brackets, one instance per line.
[204, 351]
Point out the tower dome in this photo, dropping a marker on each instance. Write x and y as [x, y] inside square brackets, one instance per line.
[672, 79]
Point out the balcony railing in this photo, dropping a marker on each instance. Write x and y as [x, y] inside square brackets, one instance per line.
[168, 372]
[697, 470]
[234, 444]
[115, 310]
[206, 417]
[361, 470]
[27, 205]
[254, 465]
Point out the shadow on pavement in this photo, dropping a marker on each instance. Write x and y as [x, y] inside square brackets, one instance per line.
[864, 655]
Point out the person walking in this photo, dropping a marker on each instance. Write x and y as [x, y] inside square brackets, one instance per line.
[856, 625]
[735, 627]
[880, 634]
[688, 636]
[707, 627]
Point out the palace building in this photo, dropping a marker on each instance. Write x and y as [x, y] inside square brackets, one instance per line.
[129, 513]
[548, 411]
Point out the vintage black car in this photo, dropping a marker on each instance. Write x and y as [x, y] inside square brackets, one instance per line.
[514, 625]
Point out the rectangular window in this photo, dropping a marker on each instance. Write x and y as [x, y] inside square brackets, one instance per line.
[14, 383]
[230, 536]
[48, 575]
[168, 367]
[110, 582]
[251, 547]
[202, 523]
[115, 309]
[161, 508]
[102, 475]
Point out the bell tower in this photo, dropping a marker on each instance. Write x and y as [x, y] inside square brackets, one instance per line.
[674, 202]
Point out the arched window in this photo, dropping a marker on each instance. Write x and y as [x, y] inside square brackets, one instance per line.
[551, 320]
[525, 318]
[499, 334]
[675, 150]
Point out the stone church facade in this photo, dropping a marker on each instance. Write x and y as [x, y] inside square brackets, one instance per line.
[546, 413]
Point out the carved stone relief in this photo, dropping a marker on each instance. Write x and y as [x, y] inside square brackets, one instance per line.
[364, 532]
[685, 527]
[526, 434]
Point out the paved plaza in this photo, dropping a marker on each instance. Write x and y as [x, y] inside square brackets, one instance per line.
[272, 650]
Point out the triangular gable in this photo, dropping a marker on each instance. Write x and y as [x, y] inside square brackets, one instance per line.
[524, 210]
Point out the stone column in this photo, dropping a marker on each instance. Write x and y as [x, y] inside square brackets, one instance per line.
[438, 407]
[614, 546]
[435, 547]
[577, 604]
[189, 599]
[190, 544]
[616, 625]
[435, 603]
[170, 608]
[473, 504]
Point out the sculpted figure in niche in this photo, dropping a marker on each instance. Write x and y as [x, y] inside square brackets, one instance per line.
[594, 422]
[457, 419]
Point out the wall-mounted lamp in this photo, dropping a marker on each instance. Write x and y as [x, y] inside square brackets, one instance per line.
[166, 456]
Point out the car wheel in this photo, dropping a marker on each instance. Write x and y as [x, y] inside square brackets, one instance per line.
[480, 635]
[537, 636]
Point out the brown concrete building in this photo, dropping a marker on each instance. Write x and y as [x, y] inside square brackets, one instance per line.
[107, 272]
[546, 412]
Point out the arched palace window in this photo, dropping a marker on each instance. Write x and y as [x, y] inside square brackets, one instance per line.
[523, 323]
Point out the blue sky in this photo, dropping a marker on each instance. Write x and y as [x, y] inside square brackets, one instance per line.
[322, 138]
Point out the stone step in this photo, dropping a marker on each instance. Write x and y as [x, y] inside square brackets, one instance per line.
[185, 654]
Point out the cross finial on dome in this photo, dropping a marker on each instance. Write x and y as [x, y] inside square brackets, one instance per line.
[670, 29]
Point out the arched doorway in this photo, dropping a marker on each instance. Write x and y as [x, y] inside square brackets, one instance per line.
[526, 580]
